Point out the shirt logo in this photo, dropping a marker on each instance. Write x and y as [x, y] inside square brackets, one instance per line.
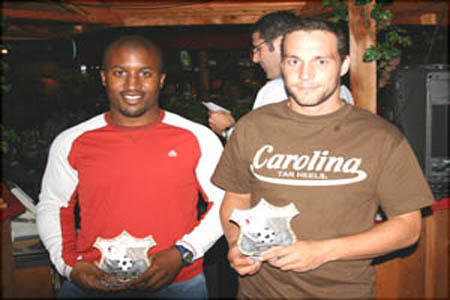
[172, 153]
[305, 170]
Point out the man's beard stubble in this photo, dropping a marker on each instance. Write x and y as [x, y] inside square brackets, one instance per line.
[133, 114]
[323, 98]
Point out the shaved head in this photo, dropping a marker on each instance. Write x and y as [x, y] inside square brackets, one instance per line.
[132, 42]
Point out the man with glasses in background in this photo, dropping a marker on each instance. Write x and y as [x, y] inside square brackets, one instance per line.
[267, 35]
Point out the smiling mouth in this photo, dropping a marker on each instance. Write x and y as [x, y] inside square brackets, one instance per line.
[132, 99]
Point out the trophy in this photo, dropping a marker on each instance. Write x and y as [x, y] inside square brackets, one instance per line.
[264, 227]
[124, 256]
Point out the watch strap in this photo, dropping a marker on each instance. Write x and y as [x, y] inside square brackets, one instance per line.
[187, 257]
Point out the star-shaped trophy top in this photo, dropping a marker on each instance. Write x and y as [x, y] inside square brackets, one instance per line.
[263, 227]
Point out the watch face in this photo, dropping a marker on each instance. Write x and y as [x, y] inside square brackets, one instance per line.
[186, 256]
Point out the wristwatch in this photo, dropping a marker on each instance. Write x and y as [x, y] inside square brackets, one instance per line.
[186, 255]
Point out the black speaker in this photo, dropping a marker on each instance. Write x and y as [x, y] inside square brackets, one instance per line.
[420, 108]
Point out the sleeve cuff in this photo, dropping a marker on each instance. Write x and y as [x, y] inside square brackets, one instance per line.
[228, 131]
[190, 248]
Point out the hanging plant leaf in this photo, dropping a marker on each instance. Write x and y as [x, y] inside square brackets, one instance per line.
[334, 19]
[406, 41]
[393, 37]
[339, 10]
[390, 39]
[392, 53]
[371, 54]
[382, 16]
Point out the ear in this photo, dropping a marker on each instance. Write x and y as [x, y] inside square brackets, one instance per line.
[345, 65]
[161, 80]
[277, 42]
[103, 76]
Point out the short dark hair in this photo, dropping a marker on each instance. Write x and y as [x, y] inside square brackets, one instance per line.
[311, 24]
[133, 41]
[272, 25]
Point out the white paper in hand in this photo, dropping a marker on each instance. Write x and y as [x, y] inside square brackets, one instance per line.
[214, 107]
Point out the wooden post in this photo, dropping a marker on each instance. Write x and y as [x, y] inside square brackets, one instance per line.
[7, 278]
[363, 76]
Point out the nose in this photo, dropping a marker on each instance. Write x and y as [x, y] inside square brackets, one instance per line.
[306, 71]
[133, 82]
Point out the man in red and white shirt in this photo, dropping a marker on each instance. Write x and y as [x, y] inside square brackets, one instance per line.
[135, 168]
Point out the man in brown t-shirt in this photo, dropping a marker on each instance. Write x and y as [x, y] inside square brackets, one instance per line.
[336, 163]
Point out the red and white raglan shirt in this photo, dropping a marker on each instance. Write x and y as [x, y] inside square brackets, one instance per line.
[145, 180]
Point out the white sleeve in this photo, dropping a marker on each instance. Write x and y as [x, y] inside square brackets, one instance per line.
[58, 184]
[272, 92]
[346, 95]
[209, 230]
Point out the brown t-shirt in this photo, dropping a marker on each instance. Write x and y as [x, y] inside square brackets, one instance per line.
[337, 169]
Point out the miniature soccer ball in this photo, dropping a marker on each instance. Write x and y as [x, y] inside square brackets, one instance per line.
[125, 263]
[266, 236]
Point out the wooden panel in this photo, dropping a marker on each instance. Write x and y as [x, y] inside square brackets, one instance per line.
[363, 76]
[402, 276]
[420, 272]
[34, 283]
[420, 12]
[7, 280]
[437, 255]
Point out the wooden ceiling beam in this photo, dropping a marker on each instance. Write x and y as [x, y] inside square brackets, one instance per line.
[114, 13]
[73, 8]
[125, 14]
[10, 13]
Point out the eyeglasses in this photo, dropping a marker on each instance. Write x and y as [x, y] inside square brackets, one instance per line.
[257, 48]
